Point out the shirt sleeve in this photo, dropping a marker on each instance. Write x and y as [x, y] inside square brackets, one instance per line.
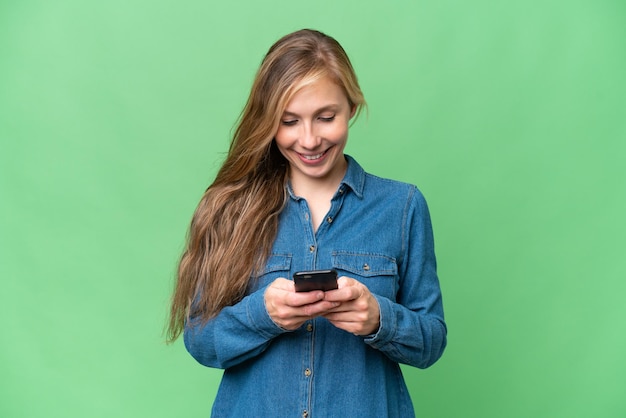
[236, 334]
[412, 328]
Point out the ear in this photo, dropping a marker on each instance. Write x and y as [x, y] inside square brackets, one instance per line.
[352, 111]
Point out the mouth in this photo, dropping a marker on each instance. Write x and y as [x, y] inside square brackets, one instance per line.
[316, 158]
[313, 157]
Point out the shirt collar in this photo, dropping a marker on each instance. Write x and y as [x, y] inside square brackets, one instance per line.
[354, 179]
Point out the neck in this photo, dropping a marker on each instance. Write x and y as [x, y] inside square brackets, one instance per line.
[311, 187]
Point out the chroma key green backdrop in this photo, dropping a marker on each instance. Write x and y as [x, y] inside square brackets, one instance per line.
[509, 116]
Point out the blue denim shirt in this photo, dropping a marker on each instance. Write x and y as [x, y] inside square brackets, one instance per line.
[377, 231]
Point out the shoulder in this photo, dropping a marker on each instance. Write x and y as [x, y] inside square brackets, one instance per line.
[373, 180]
[373, 187]
[376, 185]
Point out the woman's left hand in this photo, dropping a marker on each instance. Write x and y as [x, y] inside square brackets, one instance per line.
[358, 312]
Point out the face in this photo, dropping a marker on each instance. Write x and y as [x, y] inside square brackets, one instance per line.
[313, 132]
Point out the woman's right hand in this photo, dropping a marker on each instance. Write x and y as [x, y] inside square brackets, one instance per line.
[290, 309]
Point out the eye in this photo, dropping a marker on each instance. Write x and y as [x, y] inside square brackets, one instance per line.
[327, 118]
[289, 122]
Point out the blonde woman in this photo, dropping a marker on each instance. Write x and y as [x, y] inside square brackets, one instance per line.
[288, 199]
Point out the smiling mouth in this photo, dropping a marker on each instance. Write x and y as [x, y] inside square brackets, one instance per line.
[313, 157]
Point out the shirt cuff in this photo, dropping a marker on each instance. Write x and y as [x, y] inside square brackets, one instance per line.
[387, 326]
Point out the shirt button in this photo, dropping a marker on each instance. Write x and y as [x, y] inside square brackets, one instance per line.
[329, 220]
[307, 372]
[309, 327]
[312, 248]
[305, 413]
[366, 267]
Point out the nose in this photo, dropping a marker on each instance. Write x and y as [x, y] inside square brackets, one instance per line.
[309, 139]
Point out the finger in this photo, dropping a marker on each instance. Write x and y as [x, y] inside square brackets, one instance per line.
[286, 316]
[349, 323]
[346, 316]
[355, 328]
[297, 299]
[345, 281]
[284, 290]
[320, 308]
[349, 289]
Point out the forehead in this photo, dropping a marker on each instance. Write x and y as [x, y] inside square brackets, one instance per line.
[315, 95]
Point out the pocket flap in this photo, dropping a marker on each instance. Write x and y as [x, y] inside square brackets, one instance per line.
[277, 262]
[365, 265]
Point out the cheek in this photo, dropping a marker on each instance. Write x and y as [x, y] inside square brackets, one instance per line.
[283, 139]
[336, 133]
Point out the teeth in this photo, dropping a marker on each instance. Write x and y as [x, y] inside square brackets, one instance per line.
[313, 157]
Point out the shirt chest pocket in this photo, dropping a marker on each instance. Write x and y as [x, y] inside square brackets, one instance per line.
[376, 271]
[277, 265]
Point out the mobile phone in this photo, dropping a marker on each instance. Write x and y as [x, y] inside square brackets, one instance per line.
[306, 281]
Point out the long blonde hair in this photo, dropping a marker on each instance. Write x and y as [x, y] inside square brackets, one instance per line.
[235, 224]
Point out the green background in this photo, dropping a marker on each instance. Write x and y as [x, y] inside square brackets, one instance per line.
[509, 116]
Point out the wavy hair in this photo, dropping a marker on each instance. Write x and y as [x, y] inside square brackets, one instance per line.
[235, 224]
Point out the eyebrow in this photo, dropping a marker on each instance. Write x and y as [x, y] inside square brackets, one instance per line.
[331, 107]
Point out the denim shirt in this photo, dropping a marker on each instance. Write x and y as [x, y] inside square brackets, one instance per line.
[378, 232]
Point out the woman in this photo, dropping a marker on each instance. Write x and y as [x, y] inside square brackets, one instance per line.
[288, 199]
